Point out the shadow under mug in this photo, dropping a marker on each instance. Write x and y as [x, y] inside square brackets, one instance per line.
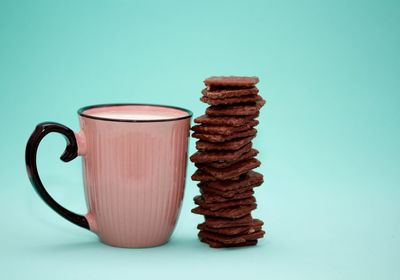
[134, 167]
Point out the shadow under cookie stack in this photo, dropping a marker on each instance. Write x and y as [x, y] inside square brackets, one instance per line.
[225, 160]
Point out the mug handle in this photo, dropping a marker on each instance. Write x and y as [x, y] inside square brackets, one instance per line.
[71, 152]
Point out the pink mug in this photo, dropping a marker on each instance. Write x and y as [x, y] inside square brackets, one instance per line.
[134, 167]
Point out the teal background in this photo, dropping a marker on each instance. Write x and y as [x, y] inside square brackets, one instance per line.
[328, 139]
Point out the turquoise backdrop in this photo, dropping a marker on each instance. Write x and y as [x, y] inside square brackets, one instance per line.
[329, 137]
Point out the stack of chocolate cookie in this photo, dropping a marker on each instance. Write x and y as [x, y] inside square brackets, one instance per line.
[225, 161]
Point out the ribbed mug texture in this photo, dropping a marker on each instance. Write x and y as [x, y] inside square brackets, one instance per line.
[134, 176]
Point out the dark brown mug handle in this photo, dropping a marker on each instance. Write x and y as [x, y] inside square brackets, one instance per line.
[71, 152]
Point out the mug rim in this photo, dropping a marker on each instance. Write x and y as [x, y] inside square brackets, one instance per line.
[81, 112]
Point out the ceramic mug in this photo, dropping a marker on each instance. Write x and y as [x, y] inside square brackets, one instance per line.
[134, 167]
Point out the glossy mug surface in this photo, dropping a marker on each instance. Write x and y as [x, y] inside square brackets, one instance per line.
[134, 166]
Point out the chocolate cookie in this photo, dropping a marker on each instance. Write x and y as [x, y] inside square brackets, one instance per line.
[231, 100]
[220, 156]
[213, 195]
[232, 171]
[235, 110]
[233, 239]
[216, 244]
[225, 160]
[199, 175]
[231, 81]
[199, 200]
[223, 130]
[250, 154]
[231, 212]
[214, 222]
[225, 121]
[222, 138]
[250, 179]
[231, 145]
[234, 230]
[229, 231]
[229, 93]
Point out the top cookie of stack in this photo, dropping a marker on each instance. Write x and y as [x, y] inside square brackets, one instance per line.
[225, 159]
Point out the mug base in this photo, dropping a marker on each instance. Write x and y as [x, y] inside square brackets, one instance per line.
[134, 246]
